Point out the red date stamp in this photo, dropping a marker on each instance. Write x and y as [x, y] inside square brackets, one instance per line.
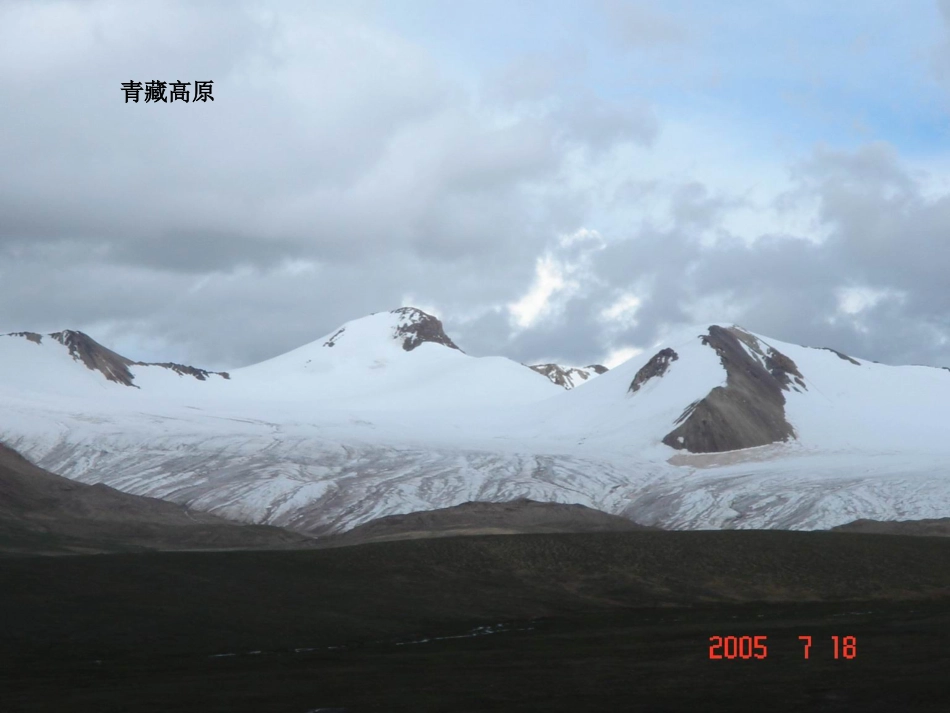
[756, 647]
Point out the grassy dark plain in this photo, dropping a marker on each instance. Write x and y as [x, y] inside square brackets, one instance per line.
[592, 622]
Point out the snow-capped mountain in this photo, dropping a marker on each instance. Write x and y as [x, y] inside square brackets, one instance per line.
[399, 360]
[715, 427]
[569, 376]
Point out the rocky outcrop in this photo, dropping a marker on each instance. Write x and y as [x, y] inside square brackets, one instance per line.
[568, 376]
[185, 370]
[654, 368]
[30, 336]
[416, 327]
[84, 348]
[841, 356]
[750, 409]
[331, 342]
[783, 369]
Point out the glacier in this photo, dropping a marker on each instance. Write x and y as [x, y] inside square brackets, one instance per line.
[358, 425]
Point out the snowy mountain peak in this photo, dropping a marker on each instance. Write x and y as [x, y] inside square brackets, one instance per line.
[569, 376]
[390, 361]
[410, 325]
[416, 327]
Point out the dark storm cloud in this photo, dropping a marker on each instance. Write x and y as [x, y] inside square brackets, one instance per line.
[332, 144]
[343, 168]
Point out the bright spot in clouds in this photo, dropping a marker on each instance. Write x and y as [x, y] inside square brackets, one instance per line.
[618, 356]
[562, 180]
[854, 300]
[548, 281]
[624, 309]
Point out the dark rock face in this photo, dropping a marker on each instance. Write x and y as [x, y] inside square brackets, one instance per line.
[96, 357]
[783, 369]
[777, 364]
[416, 327]
[841, 356]
[750, 409]
[331, 342]
[656, 367]
[554, 372]
[31, 336]
[567, 377]
[184, 370]
[938, 527]
[114, 367]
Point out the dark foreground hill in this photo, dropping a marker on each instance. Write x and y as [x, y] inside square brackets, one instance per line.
[43, 513]
[514, 517]
[553, 622]
[938, 527]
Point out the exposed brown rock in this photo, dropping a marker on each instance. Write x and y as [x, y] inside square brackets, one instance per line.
[416, 327]
[553, 372]
[114, 367]
[783, 368]
[31, 336]
[331, 342]
[750, 409]
[841, 356]
[567, 377]
[183, 370]
[656, 367]
[779, 365]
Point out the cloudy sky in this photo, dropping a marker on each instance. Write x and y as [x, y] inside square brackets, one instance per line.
[556, 180]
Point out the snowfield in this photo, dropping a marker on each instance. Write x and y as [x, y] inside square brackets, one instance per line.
[354, 426]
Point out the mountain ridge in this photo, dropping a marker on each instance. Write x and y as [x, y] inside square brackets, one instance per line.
[325, 438]
[113, 366]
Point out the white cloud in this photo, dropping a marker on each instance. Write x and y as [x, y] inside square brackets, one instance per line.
[623, 310]
[578, 201]
[408, 300]
[854, 300]
[549, 281]
[618, 356]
